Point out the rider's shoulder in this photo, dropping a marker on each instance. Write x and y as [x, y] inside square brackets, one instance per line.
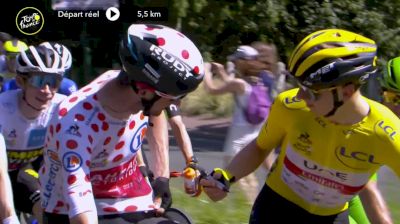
[58, 98]
[9, 99]
[385, 123]
[289, 100]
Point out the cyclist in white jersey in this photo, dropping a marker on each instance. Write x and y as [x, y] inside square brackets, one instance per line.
[90, 173]
[24, 115]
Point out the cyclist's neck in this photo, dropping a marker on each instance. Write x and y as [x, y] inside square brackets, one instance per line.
[119, 101]
[353, 110]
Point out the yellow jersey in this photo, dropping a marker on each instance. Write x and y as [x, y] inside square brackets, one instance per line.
[322, 165]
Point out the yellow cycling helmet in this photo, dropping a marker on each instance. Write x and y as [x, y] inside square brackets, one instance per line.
[14, 46]
[333, 57]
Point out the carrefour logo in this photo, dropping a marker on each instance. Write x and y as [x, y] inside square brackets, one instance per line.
[29, 20]
[72, 161]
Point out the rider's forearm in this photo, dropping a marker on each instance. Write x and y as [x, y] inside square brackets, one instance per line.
[84, 218]
[157, 137]
[182, 137]
[247, 160]
[6, 199]
[6, 196]
[374, 204]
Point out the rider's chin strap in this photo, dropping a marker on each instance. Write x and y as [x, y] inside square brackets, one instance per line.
[337, 102]
[30, 105]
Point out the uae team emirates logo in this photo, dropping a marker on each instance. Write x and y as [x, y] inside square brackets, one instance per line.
[29, 20]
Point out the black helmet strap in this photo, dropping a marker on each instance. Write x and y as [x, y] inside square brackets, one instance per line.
[337, 102]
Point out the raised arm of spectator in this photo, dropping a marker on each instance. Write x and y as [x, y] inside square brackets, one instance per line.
[6, 197]
[233, 85]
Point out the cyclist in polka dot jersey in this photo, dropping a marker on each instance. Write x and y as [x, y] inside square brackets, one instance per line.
[91, 173]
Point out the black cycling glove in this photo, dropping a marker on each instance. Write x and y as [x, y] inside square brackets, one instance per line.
[161, 189]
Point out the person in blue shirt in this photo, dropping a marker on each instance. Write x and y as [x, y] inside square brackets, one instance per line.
[67, 85]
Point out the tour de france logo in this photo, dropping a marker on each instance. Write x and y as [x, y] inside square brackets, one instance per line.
[29, 20]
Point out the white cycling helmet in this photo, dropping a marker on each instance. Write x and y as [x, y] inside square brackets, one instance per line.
[62, 50]
[39, 59]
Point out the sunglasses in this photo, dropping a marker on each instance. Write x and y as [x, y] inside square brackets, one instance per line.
[164, 95]
[313, 94]
[41, 80]
[310, 94]
[391, 97]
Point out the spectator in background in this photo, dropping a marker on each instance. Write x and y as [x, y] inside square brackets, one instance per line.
[241, 132]
[274, 74]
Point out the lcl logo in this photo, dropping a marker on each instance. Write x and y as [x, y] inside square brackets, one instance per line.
[355, 159]
[387, 129]
[289, 100]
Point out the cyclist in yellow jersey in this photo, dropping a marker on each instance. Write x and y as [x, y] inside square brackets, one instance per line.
[332, 138]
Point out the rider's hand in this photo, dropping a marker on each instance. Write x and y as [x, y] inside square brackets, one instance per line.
[217, 184]
[191, 175]
[161, 191]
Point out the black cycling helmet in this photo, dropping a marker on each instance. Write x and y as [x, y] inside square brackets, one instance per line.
[161, 57]
[39, 59]
[333, 57]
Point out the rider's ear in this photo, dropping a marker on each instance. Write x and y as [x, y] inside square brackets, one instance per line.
[348, 90]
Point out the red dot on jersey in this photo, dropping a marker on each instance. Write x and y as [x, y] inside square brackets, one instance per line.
[63, 112]
[73, 99]
[121, 132]
[87, 89]
[95, 127]
[71, 179]
[132, 125]
[105, 126]
[118, 158]
[90, 138]
[72, 144]
[51, 130]
[80, 117]
[58, 127]
[87, 106]
[131, 208]
[60, 204]
[119, 145]
[87, 177]
[108, 140]
[110, 209]
[101, 116]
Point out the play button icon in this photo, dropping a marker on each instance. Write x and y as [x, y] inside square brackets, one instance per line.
[112, 13]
